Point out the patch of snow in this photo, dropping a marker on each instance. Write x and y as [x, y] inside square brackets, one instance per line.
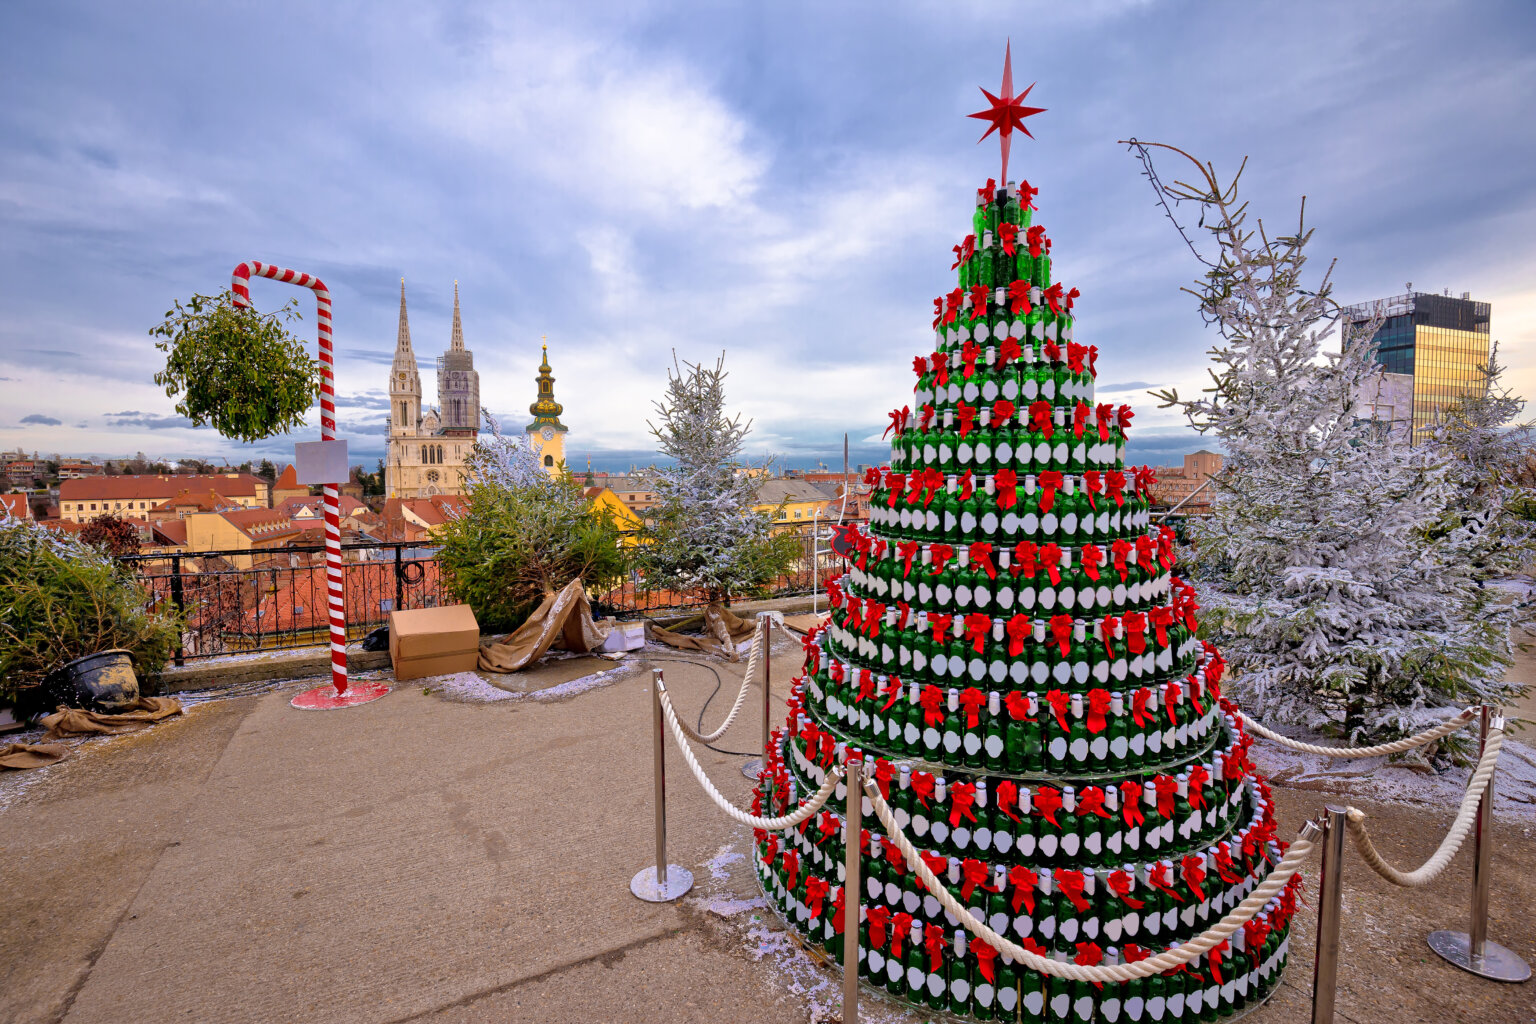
[470, 688]
[719, 864]
[725, 906]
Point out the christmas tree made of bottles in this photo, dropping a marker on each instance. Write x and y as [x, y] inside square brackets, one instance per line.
[1014, 658]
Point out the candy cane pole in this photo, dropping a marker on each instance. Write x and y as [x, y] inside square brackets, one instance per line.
[334, 584]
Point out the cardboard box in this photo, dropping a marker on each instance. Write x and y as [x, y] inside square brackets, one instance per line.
[625, 636]
[433, 641]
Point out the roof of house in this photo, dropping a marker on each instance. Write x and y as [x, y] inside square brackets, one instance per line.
[158, 486]
[261, 524]
[16, 505]
[345, 503]
[172, 532]
[775, 490]
[288, 479]
[433, 511]
[202, 501]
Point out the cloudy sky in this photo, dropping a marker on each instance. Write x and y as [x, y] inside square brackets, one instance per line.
[633, 179]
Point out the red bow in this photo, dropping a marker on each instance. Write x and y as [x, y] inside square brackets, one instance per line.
[1071, 885]
[940, 363]
[1006, 796]
[1007, 351]
[1115, 483]
[1139, 707]
[972, 873]
[1198, 777]
[1104, 412]
[1002, 412]
[1059, 703]
[1053, 298]
[940, 556]
[1255, 932]
[892, 690]
[792, 867]
[972, 701]
[1093, 484]
[892, 854]
[986, 958]
[1034, 238]
[1023, 881]
[926, 418]
[969, 353]
[1144, 552]
[1098, 704]
[1079, 419]
[1047, 803]
[1008, 233]
[1061, 633]
[1130, 803]
[877, 917]
[1018, 630]
[901, 927]
[1089, 955]
[884, 773]
[938, 318]
[907, 549]
[935, 862]
[1157, 878]
[1224, 865]
[866, 685]
[1092, 558]
[1075, 355]
[962, 797]
[1171, 693]
[897, 482]
[770, 849]
[1135, 631]
[977, 626]
[816, 890]
[1025, 192]
[967, 486]
[1040, 418]
[827, 825]
[933, 706]
[1124, 418]
[1018, 299]
[1107, 627]
[922, 787]
[1120, 884]
[1091, 801]
[933, 942]
[967, 418]
[1167, 788]
[1193, 870]
[978, 300]
[981, 555]
[1024, 559]
[1093, 361]
[1018, 706]
[1050, 482]
[1052, 351]
[952, 305]
[1006, 482]
[1161, 618]
[1145, 479]
[940, 623]
[899, 418]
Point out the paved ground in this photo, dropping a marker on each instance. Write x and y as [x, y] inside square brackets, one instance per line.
[424, 859]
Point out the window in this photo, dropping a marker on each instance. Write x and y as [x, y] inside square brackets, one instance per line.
[797, 513]
[93, 506]
[549, 460]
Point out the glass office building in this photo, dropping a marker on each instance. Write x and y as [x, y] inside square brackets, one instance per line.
[1441, 341]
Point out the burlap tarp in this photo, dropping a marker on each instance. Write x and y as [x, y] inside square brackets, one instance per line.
[723, 632]
[563, 620]
[79, 722]
[31, 755]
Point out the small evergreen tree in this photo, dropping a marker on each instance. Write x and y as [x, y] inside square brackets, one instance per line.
[703, 532]
[1335, 568]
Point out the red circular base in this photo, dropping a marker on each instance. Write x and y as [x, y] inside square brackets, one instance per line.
[325, 698]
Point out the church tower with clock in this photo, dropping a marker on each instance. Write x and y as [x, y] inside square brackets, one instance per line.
[546, 434]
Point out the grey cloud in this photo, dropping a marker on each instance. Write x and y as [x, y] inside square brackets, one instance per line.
[379, 426]
[375, 399]
[381, 356]
[130, 412]
[40, 420]
[158, 423]
[1130, 385]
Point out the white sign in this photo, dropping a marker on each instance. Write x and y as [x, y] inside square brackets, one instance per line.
[320, 462]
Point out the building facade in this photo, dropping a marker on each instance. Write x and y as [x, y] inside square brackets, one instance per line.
[1440, 341]
[427, 447]
[134, 497]
[1184, 483]
[546, 433]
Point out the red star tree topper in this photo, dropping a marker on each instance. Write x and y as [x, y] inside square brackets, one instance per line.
[1007, 111]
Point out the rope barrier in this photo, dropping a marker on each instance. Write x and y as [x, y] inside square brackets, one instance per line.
[804, 811]
[1431, 868]
[1164, 961]
[741, 695]
[1445, 728]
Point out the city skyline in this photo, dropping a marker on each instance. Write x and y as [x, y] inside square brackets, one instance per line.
[606, 178]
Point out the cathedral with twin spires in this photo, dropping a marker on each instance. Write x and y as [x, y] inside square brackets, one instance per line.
[427, 447]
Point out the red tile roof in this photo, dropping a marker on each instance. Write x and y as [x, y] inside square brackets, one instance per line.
[235, 485]
[16, 505]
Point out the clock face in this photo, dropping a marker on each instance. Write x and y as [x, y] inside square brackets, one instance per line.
[548, 433]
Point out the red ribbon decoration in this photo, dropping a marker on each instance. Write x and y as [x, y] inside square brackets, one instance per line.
[884, 773]
[1161, 618]
[967, 418]
[897, 482]
[1034, 238]
[1139, 712]
[1050, 560]
[1093, 485]
[893, 691]
[1050, 482]
[1145, 479]
[837, 911]
[1104, 412]
[1171, 694]
[1075, 355]
[935, 862]
[827, 825]
[1002, 409]
[1025, 559]
[1098, 705]
[792, 867]
[986, 960]
[1059, 703]
[1018, 299]
[899, 418]
[866, 685]
[1005, 796]
[981, 555]
[892, 854]
[962, 797]
[1192, 868]
[1089, 955]
[940, 623]
[1009, 234]
[972, 701]
[1071, 297]
[771, 849]
[901, 927]
[1214, 958]
[1053, 298]
[922, 787]
[1115, 484]
[907, 550]
[1224, 865]
[1124, 419]
[969, 353]
[1080, 418]
[959, 251]
[816, 890]
[1040, 419]
[1135, 632]
[1130, 803]
[1107, 627]
[1070, 883]
[1144, 552]
[940, 363]
[926, 418]
[979, 300]
[933, 706]
[940, 556]
[1007, 352]
[972, 873]
[1023, 881]
[1157, 878]
[1061, 633]
[1092, 558]
[977, 626]
[1119, 883]
[1047, 802]
[938, 318]
[967, 486]
[1018, 631]
[1167, 788]
[952, 305]
[1198, 777]
[1018, 706]
[1025, 193]
[1255, 933]
[877, 917]
[1091, 801]
[1052, 351]
[1006, 483]
[933, 942]
[1093, 361]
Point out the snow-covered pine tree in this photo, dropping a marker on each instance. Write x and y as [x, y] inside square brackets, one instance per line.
[1334, 571]
[703, 533]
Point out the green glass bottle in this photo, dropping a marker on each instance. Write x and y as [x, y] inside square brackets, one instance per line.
[994, 742]
[1026, 832]
[960, 977]
[1078, 760]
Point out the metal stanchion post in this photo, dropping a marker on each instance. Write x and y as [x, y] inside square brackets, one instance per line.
[755, 765]
[662, 882]
[853, 829]
[1471, 951]
[1325, 966]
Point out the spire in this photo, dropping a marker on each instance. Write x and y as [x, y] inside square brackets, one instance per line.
[403, 337]
[456, 343]
[546, 411]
